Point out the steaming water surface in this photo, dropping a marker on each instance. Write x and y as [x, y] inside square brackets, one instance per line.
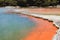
[14, 26]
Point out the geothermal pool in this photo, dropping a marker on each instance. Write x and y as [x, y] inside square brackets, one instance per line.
[14, 26]
[19, 27]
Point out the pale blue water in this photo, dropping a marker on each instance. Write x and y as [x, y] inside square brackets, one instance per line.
[14, 26]
[2, 10]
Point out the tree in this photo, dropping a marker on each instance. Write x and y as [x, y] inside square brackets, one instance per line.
[11, 2]
[8, 2]
[21, 2]
[28, 2]
[53, 3]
